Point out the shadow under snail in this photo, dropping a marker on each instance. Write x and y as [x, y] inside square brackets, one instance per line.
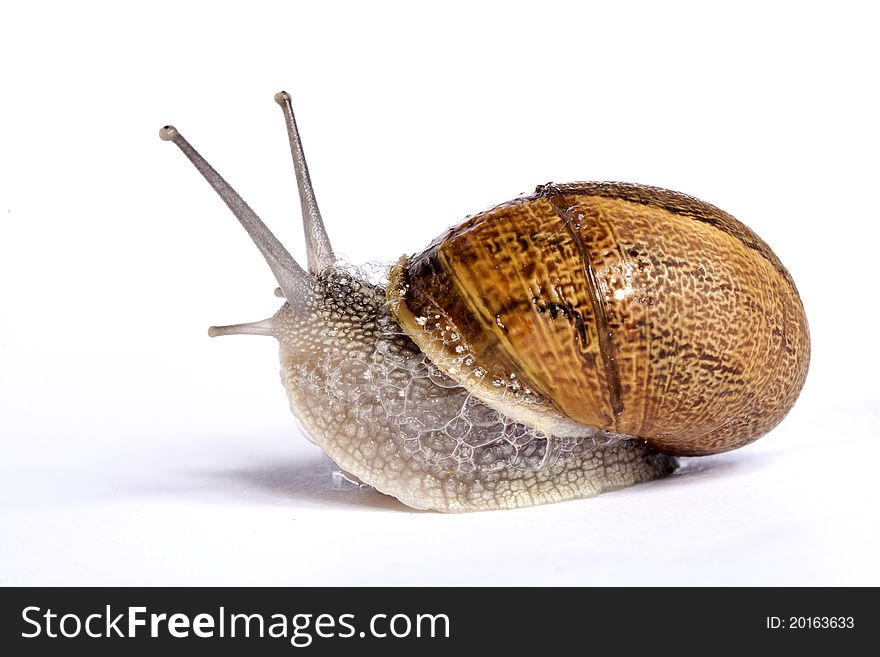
[562, 344]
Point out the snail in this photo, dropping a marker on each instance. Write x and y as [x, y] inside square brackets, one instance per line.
[568, 342]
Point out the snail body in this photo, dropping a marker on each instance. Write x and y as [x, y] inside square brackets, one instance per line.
[565, 343]
[370, 398]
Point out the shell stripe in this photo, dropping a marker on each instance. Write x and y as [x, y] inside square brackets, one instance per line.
[603, 330]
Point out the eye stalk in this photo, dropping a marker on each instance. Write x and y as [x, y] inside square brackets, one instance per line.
[320, 253]
[294, 281]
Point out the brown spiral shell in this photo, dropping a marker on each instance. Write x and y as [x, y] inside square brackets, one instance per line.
[626, 308]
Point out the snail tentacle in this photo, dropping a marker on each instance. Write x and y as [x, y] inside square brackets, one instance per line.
[294, 281]
[318, 248]
[262, 327]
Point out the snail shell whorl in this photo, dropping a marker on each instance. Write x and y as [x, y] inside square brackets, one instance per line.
[622, 307]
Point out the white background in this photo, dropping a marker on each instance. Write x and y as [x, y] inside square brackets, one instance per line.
[137, 451]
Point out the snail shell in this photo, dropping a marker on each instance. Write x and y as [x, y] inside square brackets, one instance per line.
[623, 307]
